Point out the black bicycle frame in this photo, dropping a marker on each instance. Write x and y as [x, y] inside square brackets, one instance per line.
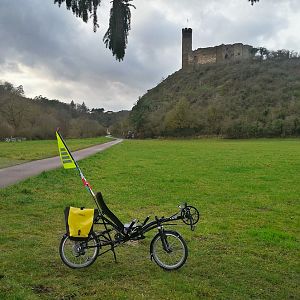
[102, 220]
[108, 241]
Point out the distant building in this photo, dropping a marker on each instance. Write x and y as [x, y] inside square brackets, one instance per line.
[230, 52]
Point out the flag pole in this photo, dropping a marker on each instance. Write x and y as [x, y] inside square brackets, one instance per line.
[83, 179]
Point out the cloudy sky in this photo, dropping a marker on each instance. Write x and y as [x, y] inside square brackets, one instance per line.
[52, 53]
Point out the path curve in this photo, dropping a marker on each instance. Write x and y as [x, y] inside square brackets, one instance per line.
[20, 172]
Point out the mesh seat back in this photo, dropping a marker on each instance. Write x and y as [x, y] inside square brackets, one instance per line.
[108, 212]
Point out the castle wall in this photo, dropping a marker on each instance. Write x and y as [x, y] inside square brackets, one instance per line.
[205, 56]
[238, 51]
[227, 52]
[247, 52]
[220, 54]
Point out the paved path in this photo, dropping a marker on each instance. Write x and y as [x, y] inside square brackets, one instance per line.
[17, 173]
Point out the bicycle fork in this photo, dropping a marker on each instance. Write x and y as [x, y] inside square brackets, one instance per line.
[164, 240]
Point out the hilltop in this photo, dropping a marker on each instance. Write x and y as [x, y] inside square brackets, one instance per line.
[236, 100]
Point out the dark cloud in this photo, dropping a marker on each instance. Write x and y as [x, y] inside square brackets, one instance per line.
[51, 52]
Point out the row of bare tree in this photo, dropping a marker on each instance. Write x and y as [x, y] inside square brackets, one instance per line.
[38, 118]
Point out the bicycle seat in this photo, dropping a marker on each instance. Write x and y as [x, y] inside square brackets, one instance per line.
[106, 211]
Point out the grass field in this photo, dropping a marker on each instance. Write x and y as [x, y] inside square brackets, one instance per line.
[246, 246]
[20, 152]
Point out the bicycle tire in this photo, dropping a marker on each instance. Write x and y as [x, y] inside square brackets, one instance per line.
[75, 254]
[163, 258]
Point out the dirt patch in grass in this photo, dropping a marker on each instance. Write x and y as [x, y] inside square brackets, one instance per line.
[41, 289]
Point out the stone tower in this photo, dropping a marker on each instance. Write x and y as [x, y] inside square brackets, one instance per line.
[187, 41]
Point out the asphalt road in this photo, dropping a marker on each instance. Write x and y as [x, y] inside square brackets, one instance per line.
[11, 175]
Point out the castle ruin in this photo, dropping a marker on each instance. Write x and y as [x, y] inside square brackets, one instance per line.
[222, 53]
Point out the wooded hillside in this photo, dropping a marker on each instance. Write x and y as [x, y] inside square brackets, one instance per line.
[38, 118]
[237, 100]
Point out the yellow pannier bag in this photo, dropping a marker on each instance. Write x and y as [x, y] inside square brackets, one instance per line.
[79, 222]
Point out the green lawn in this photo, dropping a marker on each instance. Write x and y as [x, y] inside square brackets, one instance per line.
[246, 246]
[20, 152]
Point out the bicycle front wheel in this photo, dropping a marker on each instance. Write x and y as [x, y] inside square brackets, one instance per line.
[79, 254]
[170, 254]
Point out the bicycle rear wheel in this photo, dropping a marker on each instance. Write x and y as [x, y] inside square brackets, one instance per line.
[172, 258]
[79, 254]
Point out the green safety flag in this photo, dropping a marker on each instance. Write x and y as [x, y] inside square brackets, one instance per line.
[65, 156]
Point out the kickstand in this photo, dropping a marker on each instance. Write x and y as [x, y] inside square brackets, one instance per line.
[112, 244]
[113, 250]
